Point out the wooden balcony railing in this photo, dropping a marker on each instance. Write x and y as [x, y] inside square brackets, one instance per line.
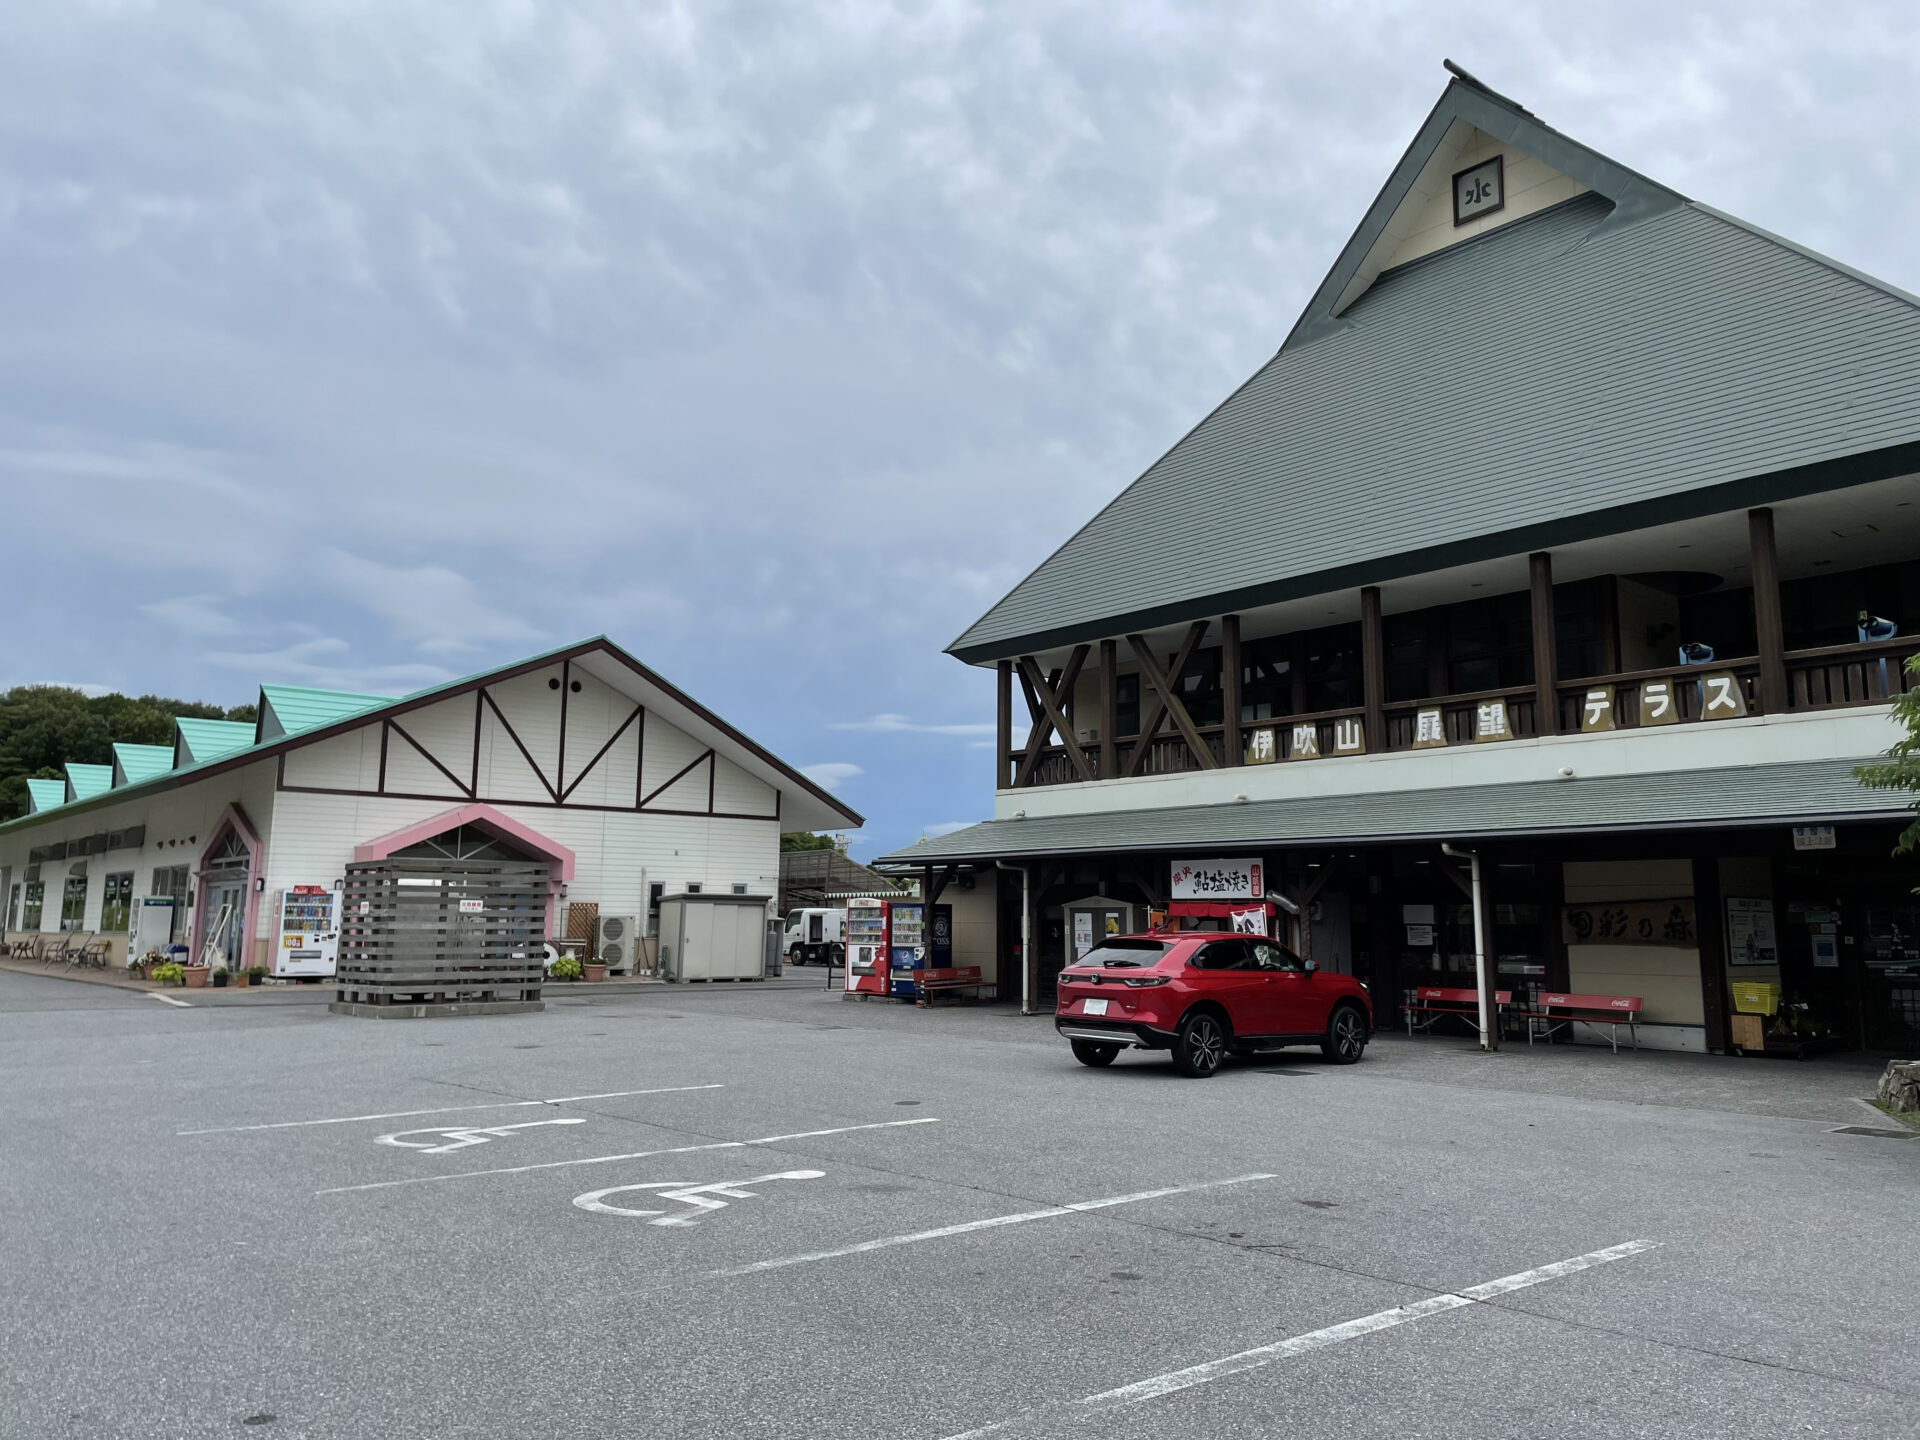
[1834, 677]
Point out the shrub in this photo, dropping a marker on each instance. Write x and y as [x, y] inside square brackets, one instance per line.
[565, 968]
[168, 974]
[257, 973]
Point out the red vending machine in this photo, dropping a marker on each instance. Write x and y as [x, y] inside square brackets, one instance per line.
[867, 947]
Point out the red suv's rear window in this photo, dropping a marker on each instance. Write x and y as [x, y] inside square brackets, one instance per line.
[1130, 953]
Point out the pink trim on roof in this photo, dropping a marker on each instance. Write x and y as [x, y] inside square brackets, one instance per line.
[484, 817]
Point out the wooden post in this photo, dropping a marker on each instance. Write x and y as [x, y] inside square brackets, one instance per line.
[1230, 685]
[1373, 670]
[1766, 612]
[1003, 737]
[1609, 602]
[1713, 951]
[1546, 699]
[1109, 705]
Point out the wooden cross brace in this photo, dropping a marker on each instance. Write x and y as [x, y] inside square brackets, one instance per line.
[1045, 703]
[1166, 702]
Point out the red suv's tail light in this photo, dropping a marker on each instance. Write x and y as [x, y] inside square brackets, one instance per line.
[1141, 982]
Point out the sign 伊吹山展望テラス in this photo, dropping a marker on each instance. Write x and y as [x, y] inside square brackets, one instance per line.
[1218, 880]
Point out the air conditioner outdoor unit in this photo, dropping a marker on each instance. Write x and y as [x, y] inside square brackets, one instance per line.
[618, 941]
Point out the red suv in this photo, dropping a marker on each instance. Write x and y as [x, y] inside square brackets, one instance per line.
[1201, 995]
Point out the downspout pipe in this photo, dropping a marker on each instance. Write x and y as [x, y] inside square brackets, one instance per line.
[1026, 938]
[1479, 945]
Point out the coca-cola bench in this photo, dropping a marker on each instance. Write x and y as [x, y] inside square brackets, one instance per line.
[1433, 1002]
[1555, 1011]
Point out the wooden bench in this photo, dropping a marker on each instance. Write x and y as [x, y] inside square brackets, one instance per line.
[931, 982]
[1436, 1001]
[1559, 1011]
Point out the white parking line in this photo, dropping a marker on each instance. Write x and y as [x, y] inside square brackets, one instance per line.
[1176, 1380]
[631, 1155]
[1051, 1212]
[439, 1110]
[168, 1000]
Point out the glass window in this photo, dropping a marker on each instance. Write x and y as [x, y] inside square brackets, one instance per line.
[1272, 955]
[13, 908]
[1126, 705]
[1489, 644]
[1576, 630]
[1200, 689]
[739, 889]
[73, 902]
[1223, 955]
[1333, 668]
[693, 889]
[35, 895]
[117, 904]
[1266, 678]
[654, 892]
[1409, 646]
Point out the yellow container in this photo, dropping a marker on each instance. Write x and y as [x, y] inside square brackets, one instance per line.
[1755, 997]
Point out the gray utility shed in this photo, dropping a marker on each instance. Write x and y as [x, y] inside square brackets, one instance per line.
[1628, 357]
[713, 937]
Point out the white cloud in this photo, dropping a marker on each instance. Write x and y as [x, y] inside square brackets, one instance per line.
[945, 827]
[324, 663]
[831, 774]
[890, 724]
[193, 615]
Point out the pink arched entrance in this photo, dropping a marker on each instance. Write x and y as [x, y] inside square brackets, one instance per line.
[501, 826]
[225, 879]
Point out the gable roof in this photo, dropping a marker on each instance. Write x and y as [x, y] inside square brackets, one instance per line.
[86, 781]
[1625, 358]
[46, 794]
[293, 709]
[134, 763]
[197, 741]
[598, 656]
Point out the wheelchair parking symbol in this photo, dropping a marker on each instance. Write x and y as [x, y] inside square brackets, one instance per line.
[702, 1198]
[446, 1139]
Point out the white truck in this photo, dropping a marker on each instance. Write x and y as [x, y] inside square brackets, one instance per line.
[813, 936]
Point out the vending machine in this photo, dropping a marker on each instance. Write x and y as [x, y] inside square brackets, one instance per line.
[866, 939]
[309, 931]
[906, 947]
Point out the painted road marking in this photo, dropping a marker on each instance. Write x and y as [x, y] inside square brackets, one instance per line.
[1078, 1207]
[459, 1138]
[441, 1109]
[701, 1197]
[631, 1155]
[168, 1000]
[1176, 1380]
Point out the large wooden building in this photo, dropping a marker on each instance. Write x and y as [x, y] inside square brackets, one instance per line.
[1575, 525]
[583, 761]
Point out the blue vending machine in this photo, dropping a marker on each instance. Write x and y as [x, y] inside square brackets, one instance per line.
[906, 947]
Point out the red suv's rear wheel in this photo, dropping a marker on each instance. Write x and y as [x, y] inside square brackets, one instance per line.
[1199, 1045]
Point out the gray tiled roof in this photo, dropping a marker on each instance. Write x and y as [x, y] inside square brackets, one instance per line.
[1738, 796]
[1584, 370]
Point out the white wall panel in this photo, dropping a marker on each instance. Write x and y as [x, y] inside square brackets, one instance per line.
[667, 751]
[444, 731]
[410, 773]
[737, 793]
[531, 704]
[505, 773]
[344, 762]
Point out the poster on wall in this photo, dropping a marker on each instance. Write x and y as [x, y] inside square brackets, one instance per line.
[1082, 933]
[1218, 880]
[1750, 938]
[309, 931]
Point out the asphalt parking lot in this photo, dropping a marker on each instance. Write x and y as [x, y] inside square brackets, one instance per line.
[762, 1211]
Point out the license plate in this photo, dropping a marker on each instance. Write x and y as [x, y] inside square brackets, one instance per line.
[1095, 1007]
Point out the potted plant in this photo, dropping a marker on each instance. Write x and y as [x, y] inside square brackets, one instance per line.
[167, 973]
[565, 968]
[256, 975]
[196, 976]
[220, 977]
[594, 970]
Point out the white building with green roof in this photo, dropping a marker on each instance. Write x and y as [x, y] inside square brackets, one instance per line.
[582, 760]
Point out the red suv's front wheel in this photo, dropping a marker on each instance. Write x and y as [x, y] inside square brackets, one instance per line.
[1199, 1045]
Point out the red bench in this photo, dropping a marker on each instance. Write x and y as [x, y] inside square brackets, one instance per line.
[1563, 1012]
[930, 981]
[1435, 1001]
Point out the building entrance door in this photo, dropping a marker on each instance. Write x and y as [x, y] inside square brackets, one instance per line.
[223, 902]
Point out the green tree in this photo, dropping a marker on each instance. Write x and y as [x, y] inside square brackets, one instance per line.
[1902, 768]
[44, 728]
[804, 840]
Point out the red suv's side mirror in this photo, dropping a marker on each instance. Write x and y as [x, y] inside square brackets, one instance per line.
[1310, 965]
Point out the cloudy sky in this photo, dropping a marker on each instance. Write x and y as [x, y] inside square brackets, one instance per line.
[368, 343]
